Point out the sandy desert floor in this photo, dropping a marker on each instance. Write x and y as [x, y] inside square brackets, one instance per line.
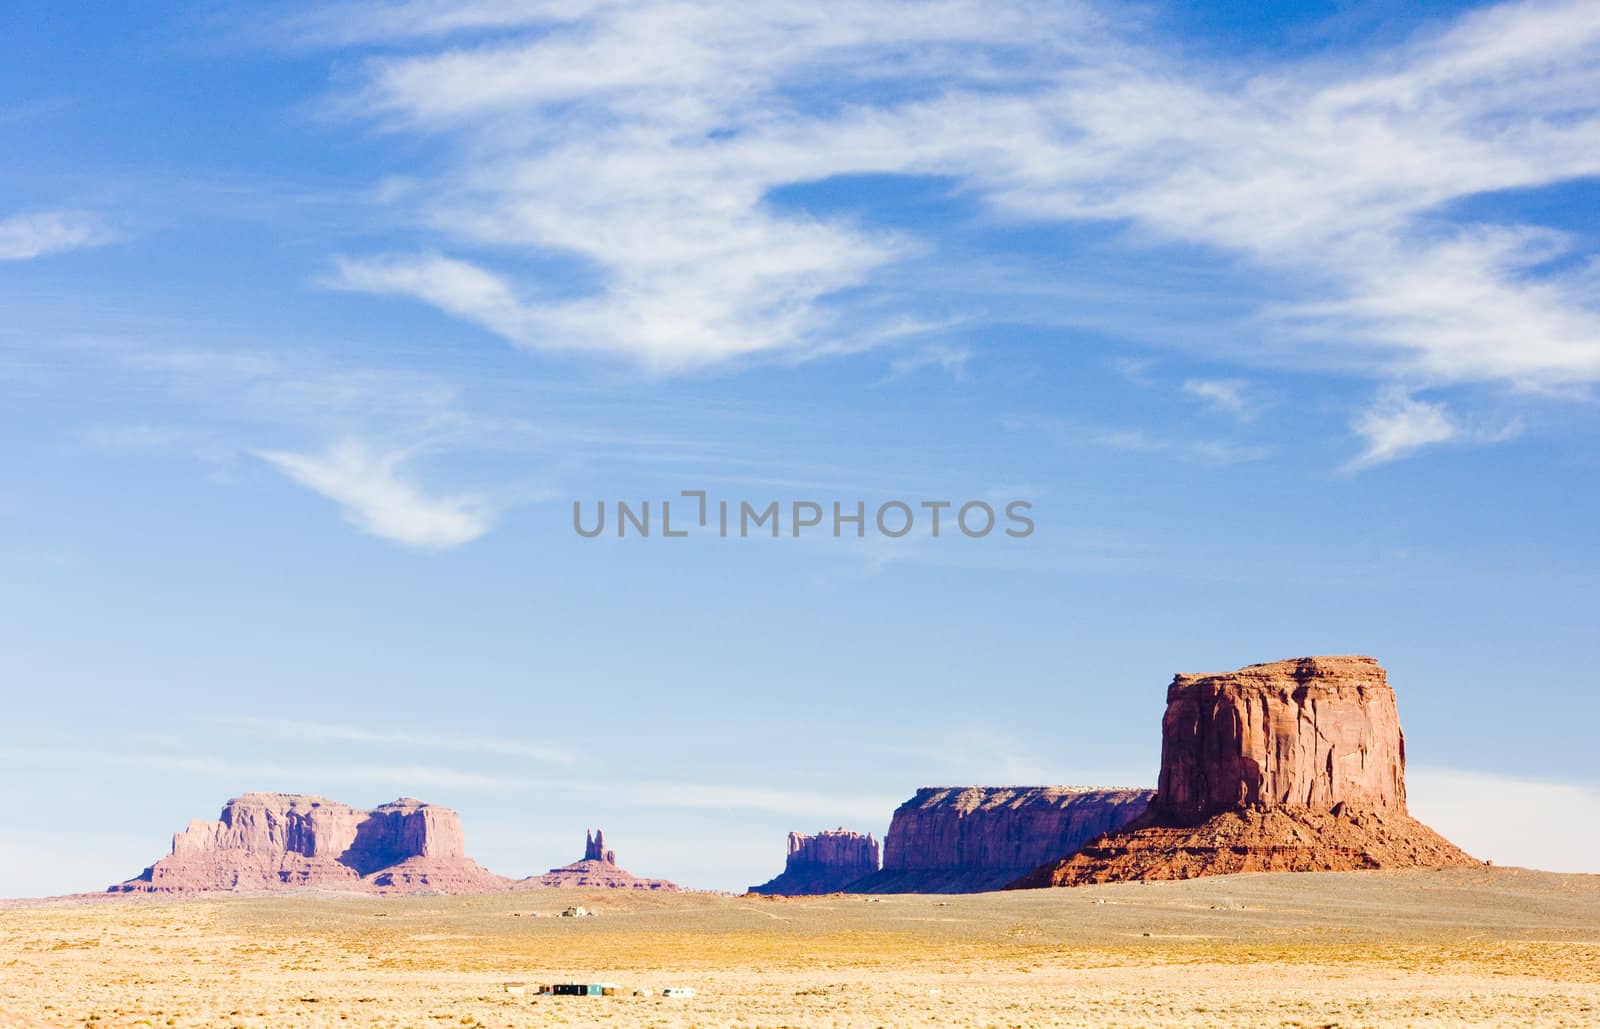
[1448, 948]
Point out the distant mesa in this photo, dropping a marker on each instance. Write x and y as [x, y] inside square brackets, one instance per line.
[1292, 766]
[825, 863]
[283, 841]
[971, 839]
[291, 841]
[598, 870]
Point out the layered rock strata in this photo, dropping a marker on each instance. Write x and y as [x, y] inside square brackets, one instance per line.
[1290, 766]
[825, 863]
[970, 839]
[280, 841]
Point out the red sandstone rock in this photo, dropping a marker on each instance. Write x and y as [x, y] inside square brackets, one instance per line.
[825, 863]
[598, 870]
[1291, 766]
[594, 848]
[976, 838]
[1309, 733]
[276, 841]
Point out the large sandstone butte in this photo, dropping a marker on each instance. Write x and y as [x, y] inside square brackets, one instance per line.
[1293, 766]
[597, 871]
[278, 841]
[824, 863]
[969, 839]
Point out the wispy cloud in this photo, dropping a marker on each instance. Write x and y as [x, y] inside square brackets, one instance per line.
[1209, 451]
[951, 360]
[374, 497]
[1066, 432]
[1136, 370]
[250, 773]
[324, 732]
[1226, 396]
[33, 234]
[1398, 425]
[408, 777]
[812, 803]
[984, 755]
[645, 139]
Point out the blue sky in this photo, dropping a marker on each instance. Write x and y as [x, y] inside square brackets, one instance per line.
[318, 320]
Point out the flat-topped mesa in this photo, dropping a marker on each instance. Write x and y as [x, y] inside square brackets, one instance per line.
[825, 863]
[598, 870]
[275, 841]
[1314, 733]
[969, 839]
[1291, 766]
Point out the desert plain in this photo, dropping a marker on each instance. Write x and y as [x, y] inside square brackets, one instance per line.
[1452, 947]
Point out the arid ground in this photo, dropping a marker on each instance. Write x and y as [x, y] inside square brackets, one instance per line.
[1447, 948]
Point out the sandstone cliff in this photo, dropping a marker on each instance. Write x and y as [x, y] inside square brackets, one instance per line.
[1296, 765]
[1310, 733]
[597, 871]
[825, 863]
[976, 838]
[276, 841]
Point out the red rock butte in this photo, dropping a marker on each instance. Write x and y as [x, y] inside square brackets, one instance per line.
[277, 841]
[1290, 766]
[825, 863]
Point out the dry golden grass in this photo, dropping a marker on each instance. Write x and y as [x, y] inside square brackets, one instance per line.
[1449, 948]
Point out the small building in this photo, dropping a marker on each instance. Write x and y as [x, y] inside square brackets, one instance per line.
[584, 989]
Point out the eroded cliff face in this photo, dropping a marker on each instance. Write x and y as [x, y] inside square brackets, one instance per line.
[825, 863]
[1311, 733]
[276, 841]
[968, 839]
[1295, 765]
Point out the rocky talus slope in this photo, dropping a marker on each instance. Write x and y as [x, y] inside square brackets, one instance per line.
[1291, 766]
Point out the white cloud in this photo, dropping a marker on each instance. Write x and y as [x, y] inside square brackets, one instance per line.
[1510, 821]
[645, 139]
[461, 288]
[1398, 425]
[37, 233]
[1224, 395]
[397, 20]
[375, 499]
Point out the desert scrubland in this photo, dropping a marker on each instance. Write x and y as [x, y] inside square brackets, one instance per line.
[1413, 948]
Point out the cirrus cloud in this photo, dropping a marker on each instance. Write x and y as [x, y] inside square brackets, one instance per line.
[646, 140]
[32, 234]
[373, 495]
